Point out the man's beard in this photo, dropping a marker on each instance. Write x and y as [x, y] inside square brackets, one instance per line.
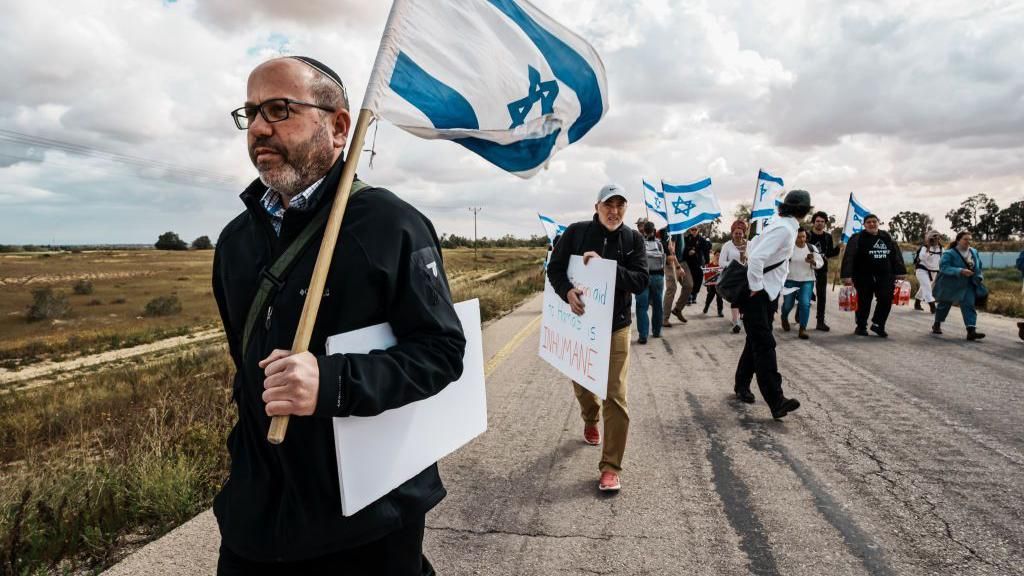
[300, 167]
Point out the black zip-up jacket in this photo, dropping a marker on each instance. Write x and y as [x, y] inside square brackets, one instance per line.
[282, 503]
[701, 247]
[872, 255]
[823, 242]
[624, 245]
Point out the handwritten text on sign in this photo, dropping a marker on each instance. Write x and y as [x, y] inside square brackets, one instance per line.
[579, 346]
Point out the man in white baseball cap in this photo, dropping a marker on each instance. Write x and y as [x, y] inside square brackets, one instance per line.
[605, 236]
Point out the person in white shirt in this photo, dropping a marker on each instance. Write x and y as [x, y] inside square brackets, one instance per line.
[767, 267]
[735, 249]
[926, 268]
[802, 266]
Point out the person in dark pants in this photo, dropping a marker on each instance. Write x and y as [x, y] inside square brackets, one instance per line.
[696, 254]
[768, 258]
[280, 510]
[872, 264]
[821, 239]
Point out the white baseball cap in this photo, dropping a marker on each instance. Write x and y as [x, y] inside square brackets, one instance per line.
[609, 191]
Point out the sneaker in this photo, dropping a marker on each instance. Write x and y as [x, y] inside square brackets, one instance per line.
[803, 334]
[679, 314]
[973, 334]
[641, 340]
[745, 396]
[736, 330]
[785, 407]
[937, 328]
[861, 331]
[879, 330]
[591, 435]
[609, 482]
[822, 327]
[785, 324]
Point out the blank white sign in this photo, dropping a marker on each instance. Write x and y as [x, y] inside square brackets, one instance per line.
[379, 453]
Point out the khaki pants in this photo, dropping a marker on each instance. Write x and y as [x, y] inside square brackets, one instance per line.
[616, 415]
[670, 292]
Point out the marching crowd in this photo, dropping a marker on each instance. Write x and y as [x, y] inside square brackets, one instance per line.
[786, 264]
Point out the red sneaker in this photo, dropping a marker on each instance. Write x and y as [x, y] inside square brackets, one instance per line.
[609, 482]
[591, 435]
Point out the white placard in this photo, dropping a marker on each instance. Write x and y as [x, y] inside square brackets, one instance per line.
[379, 453]
[579, 346]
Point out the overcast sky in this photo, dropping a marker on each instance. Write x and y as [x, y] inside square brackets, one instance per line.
[913, 105]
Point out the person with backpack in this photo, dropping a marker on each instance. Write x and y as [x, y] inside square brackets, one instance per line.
[821, 239]
[872, 264]
[605, 236]
[651, 297]
[735, 249]
[767, 267]
[961, 282]
[800, 280]
[926, 267]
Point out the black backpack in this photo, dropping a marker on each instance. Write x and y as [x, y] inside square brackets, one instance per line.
[732, 283]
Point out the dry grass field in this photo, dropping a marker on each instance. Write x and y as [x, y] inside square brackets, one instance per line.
[101, 461]
[111, 311]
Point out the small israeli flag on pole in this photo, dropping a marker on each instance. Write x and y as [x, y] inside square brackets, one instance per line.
[552, 228]
[689, 205]
[655, 203]
[765, 195]
[855, 214]
[499, 77]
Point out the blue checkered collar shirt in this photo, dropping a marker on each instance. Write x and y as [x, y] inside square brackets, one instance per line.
[272, 203]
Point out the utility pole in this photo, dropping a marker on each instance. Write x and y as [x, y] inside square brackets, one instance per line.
[475, 210]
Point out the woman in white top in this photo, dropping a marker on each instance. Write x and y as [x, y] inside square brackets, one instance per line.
[735, 249]
[926, 267]
[800, 282]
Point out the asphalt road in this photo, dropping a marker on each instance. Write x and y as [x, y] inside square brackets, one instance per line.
[907, 457]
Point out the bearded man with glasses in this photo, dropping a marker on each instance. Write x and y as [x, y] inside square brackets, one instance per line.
[280, 510]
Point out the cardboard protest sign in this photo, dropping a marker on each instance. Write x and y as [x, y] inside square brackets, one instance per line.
[580, 346]
[377, 454]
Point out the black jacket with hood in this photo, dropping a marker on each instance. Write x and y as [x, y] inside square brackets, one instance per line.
[282, 503]
[624, 245]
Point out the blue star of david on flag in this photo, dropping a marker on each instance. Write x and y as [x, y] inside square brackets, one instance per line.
[763, 190]
[686, 206]
[543, 92]
[692, 205]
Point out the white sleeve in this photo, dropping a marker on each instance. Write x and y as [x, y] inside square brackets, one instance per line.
[769, 244]
[819, 260]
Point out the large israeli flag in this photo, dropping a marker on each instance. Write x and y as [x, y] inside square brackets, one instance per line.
[552, 228]
[499, 77]
[855, 214]
[767, 220]
[768, 189]
[689, 205]
[655, 205]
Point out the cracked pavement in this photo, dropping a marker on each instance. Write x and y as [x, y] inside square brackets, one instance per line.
[906, 457]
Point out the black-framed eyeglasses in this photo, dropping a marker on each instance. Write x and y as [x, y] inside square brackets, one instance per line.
[273, 110]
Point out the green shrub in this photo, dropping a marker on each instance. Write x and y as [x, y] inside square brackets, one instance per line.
[82, 287]
[47, 304]
[163, 306]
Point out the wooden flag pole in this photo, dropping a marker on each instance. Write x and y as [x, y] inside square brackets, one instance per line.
[279, 424]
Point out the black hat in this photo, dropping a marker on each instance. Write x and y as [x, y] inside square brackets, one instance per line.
[325, 70]
[797, 199]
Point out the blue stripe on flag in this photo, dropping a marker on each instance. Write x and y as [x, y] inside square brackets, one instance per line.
[568, 66]
[762, 213]
[680, 227]
[649, 186]
[516, 157]
[677, 188]
[762, 175]
[444, 106]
